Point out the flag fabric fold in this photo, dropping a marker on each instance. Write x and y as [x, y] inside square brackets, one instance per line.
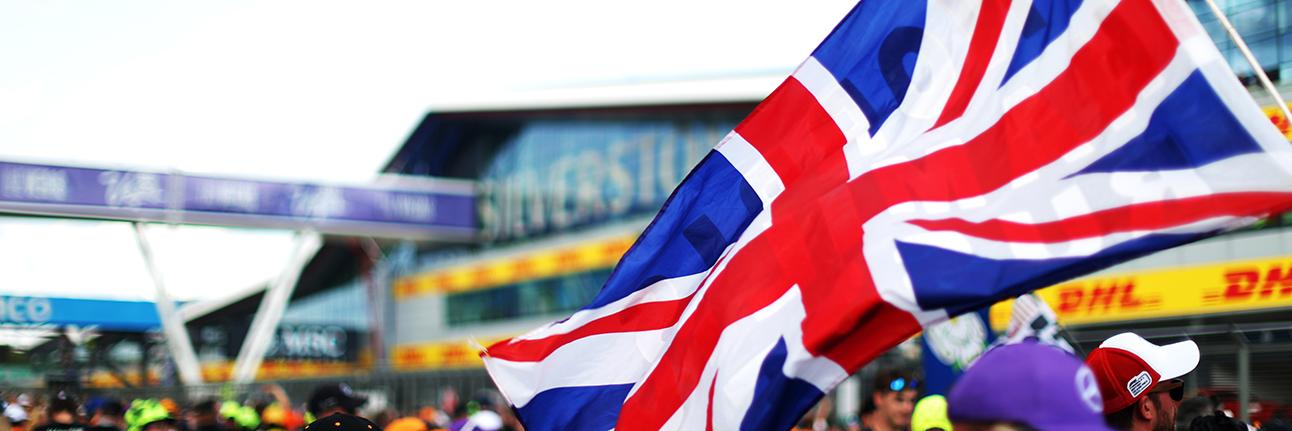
[929, 158]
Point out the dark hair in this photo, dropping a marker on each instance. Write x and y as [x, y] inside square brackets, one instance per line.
[1192, 408]
[61, 403]
[885, 378]
[1125, 418]
[1216, 422]
[206, 407]
[112, 407]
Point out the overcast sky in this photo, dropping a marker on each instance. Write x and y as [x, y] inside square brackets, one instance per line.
[308, 90]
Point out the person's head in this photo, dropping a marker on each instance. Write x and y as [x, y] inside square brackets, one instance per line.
[62, 409]
[894, 394]
[335, 398]
[206, 412]
[1216, 422]
[149, 415]
[1139, 380]
[931, 414]
[449, 402]
[1026, 386]
[109, 412]
[1192, 408]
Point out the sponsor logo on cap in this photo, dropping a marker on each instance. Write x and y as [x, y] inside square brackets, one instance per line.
[1088, 389]
[1138, 384]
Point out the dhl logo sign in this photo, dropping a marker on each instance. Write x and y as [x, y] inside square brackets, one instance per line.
[1207, 289]
[448, 354]
[548, 263]
[223, 372]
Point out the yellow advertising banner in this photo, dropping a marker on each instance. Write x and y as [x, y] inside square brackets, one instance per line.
[223, 372]
[446, 354]
[1207, 289]
[547, 263]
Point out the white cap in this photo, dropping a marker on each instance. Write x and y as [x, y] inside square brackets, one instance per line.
[1170, 361]
[15, 413]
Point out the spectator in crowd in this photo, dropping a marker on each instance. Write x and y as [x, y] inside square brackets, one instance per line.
[819, 418]
[62, 414]
[1140, 381]
[452, 411]
[335, 398]
[149, 415]
[481, 415]
[1026, 386]
[931, 414]
[1216, 421]
[17, 410]
[434, 418]
[205, 416]
[894, 394]
[1192, 408]
[109, 415]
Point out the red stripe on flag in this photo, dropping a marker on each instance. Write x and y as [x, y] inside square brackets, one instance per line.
[792, 131]
[986, 34]
[1138, 217]
[647, 316]
[1132, 46]
[641, 317]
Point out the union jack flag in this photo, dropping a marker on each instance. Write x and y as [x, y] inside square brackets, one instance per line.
[928, 159]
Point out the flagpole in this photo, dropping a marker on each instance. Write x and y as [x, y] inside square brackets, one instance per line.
[1251, 59]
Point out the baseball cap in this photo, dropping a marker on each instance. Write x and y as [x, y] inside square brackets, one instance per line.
[1028, 383]
[1127, 366]
[930, 413]
[334, 395]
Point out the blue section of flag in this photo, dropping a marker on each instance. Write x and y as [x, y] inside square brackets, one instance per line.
[1191, 128]
[961, 282]
[598, 408]
[938, 375]
[873, 52]
[706, 213]
[1046, 20]
[779, 400]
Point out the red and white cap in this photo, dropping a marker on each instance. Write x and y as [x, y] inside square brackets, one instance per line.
[1127, 366]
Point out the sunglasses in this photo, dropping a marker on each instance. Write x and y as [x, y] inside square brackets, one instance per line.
[1174, 388]
[900, 384]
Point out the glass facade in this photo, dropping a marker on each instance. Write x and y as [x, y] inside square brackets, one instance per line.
[345, 306]
[550, 296]
[555, 175]
[1266, 26]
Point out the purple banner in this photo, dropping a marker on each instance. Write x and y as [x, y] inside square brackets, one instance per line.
[435, 211]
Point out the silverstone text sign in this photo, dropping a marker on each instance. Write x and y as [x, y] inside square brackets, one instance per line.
[446, 212]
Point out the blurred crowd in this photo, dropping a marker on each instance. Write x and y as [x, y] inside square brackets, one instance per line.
[1126, 384]
[270, 409]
